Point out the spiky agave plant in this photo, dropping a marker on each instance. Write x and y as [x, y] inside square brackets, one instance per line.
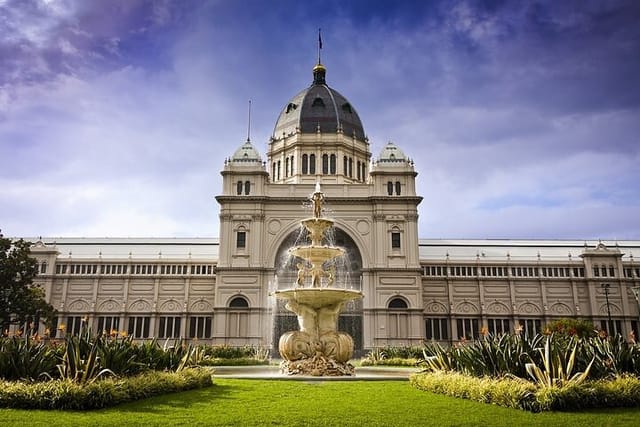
[557, 365]
[80, 362]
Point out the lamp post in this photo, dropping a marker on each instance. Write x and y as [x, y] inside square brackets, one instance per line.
[605, 287]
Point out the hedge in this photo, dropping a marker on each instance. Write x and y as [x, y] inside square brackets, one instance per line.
[622, 391]
[395, 361]
[66, 394]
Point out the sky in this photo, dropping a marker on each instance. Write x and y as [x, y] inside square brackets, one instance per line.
[522, 117]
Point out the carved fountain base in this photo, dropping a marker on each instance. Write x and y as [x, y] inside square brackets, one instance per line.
[317, 349]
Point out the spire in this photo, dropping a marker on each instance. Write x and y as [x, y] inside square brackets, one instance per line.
[319, 71]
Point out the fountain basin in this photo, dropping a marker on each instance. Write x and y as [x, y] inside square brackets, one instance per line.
[317, 298]
[316, 254]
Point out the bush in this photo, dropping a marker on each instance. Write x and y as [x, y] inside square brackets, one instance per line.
[623, 391]
[67, 394]
[394, 361]
[569, 327]
[26, 358]
[508, 392]
[240, 361]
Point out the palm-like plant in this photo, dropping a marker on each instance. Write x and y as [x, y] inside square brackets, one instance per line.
[558, 363]
[80, 362]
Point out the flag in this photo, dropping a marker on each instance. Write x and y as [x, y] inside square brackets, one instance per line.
[319, 39]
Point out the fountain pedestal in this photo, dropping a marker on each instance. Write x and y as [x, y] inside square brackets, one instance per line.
[318, 348]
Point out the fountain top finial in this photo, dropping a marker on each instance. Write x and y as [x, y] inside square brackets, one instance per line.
[317, 199]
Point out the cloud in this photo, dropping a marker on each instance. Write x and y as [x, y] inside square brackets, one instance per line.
[522, 118]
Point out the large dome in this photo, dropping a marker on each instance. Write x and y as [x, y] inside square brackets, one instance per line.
[319, 106]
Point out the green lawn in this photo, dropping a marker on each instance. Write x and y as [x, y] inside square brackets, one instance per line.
[331, 403]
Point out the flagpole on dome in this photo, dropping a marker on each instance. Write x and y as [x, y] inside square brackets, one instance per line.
[319, 44]
[319, 71]
[249, 124]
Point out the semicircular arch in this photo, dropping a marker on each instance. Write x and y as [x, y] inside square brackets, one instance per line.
[348, 268]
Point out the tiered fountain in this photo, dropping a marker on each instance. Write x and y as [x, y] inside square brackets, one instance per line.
[318, 348]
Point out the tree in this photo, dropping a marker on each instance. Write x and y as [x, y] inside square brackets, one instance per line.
[21, 301]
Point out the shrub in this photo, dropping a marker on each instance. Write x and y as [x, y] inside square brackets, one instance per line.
[558, 362]
[623, 391]
[68, 394]
[569, 327]
[509, 392]
[392, 361]
[242, 361]
[26, 358]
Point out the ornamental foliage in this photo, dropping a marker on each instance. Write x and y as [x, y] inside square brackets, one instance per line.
[21, 301]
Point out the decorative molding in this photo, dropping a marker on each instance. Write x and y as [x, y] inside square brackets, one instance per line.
[466, 307]
[109, 305]
[140, 305]
[498, 307]
[435, 307]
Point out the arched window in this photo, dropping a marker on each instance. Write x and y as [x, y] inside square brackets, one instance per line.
[238, 302]
[332, 164]
[395, 238]
[397, 320]
[241, 239]
[345, 166]
[286, 167]
[312, 164]
[238, 318]
[358, 170]
[247, 187]
[305, 164]
[398, 188]
[390, 188]
[398, 304]
[239, 188]
[273, 171]
[291, 166]
[278, 173]
[325, 164]
[364, 172]
[43, 267]
[350, 167]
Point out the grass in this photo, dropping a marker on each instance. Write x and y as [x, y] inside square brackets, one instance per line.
[294, 403]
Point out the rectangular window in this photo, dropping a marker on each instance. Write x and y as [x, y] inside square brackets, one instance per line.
[169, 327]
[200, 327]
[241, 239]
[395, 240]
[437, 329]
[108, 324]
[498, 326]
[613, 328]
[530, 327]
[467, 328]
[139, 326]
[237, 324]
[74, 325]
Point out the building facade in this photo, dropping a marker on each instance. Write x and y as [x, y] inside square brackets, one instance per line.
[218, 290]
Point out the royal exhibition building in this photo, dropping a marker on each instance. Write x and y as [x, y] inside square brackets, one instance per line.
[219, 290]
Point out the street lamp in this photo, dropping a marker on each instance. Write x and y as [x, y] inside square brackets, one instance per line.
[605, 287]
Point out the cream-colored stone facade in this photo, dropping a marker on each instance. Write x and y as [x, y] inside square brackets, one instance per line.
[217, 291]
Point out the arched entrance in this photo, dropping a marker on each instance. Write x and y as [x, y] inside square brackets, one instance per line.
[348, 275]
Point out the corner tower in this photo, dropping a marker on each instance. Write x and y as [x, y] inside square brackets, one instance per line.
[318, 137]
